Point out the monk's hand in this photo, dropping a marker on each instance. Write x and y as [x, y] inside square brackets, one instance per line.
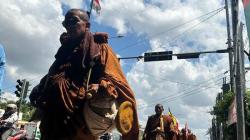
[158, 130]
[93, 88]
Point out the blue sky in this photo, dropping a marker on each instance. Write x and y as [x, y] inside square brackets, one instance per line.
[188, 87]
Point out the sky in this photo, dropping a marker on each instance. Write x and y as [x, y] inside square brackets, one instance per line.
[30, 33]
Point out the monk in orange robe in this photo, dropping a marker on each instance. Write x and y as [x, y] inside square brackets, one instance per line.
[155, 125]
[159, 126]
[85, 64]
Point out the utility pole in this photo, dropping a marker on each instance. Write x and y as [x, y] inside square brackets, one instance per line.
[235, 25]
[230, 49]
[240, 85]
[240, 70]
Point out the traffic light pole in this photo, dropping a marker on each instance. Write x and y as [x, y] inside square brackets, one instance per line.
[168, 56]
[22, 95]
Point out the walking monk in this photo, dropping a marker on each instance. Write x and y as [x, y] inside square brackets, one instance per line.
[85, 93]
[159, 126]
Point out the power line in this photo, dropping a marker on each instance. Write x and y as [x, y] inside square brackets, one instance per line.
[192, 27]
[199, 85]
[172, 28]
[181, 83]
[171, 98]
[178, 95]
[182, 93]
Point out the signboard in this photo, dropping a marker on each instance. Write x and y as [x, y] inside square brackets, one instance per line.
[158, 56]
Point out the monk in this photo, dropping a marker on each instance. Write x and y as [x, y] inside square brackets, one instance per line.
[155, 126]
[84, 88]
[159, 126]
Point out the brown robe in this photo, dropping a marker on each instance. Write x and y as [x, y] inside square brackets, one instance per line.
[154, 122]
[61, 93]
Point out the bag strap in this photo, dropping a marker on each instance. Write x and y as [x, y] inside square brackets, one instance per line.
[89, 95]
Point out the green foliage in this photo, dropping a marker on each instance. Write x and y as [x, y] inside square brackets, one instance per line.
[27, 109]
[221, 112]
[221, 107]
[247, 108]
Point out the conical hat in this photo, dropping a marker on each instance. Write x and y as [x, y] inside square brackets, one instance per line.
[124, 119]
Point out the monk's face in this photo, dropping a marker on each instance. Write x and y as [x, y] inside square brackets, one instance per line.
[159, 109]
[75, 24]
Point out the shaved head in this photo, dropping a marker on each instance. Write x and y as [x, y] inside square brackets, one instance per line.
[84, 15]
[159, 109]
[159, 105]
[76, 22]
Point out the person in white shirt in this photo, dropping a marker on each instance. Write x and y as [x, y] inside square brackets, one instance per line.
[9, 117]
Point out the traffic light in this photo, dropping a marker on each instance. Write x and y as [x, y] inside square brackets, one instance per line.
[22, 88]
[19, 87]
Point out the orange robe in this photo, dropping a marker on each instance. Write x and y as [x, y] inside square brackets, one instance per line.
[116, 84]
[154, 122]
[63, 89]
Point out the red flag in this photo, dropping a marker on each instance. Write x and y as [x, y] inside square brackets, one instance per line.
[96, 5]
[186, 129]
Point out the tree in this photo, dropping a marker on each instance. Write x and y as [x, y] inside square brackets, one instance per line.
[247, 112]
[221, 107]
[220, 110]
[27, 109]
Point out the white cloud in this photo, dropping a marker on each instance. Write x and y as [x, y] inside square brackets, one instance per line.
[74, 3]
[30, 34]
[9, 96]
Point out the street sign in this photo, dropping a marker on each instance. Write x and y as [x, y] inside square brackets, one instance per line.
[158, 56]
[187, 55]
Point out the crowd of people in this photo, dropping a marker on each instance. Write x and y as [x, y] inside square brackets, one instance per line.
[165, 127]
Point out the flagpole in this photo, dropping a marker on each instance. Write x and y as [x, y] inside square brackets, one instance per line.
[91, 7]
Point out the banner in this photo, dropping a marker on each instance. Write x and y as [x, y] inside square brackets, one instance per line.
[232, 114]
